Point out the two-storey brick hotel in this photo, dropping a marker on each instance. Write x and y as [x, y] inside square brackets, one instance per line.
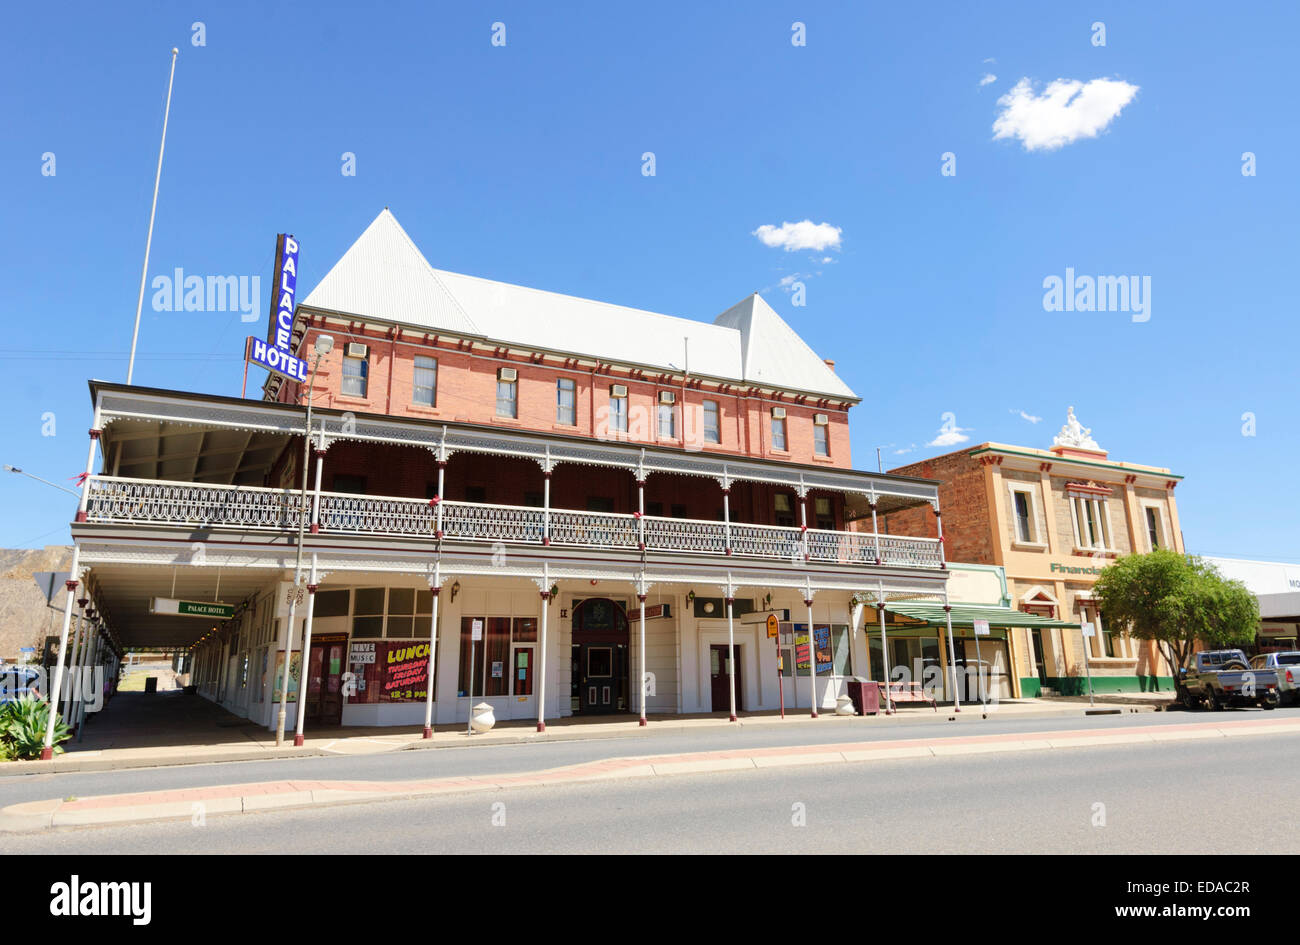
[512, 496]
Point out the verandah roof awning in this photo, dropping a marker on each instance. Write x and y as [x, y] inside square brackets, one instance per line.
[965, 615]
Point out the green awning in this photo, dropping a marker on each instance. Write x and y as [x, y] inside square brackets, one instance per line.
[965, 615]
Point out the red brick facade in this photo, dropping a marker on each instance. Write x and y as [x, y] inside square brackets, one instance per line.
[466, 393]
[963, 499]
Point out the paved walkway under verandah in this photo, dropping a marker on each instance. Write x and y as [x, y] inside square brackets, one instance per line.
[139, 729]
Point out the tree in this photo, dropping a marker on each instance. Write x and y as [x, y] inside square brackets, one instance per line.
[1179, 601]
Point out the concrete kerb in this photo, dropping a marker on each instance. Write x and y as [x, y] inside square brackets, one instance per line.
[169, 805]
[327, 746]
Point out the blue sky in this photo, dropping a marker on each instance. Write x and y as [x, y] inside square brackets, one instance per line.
[523, 163]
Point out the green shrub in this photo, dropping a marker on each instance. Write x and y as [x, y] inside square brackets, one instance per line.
[22, 729]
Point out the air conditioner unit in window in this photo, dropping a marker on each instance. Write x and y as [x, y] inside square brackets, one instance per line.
[507, 374]
[357, 350]
[667, 397]
[821, 419]
[618, 390]
[778, 413]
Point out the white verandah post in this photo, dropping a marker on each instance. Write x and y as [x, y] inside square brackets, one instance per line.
[812, 654]
[541, 671]
[303, 685]
[435, 588]
[47, 751]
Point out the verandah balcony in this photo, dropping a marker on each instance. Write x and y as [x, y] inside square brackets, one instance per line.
[119, 500]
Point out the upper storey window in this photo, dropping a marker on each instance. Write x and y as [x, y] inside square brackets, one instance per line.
[566, 404]
[778, 429]
[507, 393]
[821, 435]
[356, 371]
[712, 424]
[667, 415]
[424, 382]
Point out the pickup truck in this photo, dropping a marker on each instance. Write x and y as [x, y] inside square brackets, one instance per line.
[1223, 677]
[1287, 666]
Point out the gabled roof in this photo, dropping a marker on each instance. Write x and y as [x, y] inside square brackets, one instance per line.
[772, 354]
[384, 276]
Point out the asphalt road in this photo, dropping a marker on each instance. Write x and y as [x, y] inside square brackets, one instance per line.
[1175, 797]
[502, 759]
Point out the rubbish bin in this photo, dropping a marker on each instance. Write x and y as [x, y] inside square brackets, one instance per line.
[865, 694]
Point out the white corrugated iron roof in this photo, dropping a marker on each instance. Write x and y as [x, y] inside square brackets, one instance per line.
[383, 275]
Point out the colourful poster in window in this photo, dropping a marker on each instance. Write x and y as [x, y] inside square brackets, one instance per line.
[822, 642]
[406, 672]
[295, 674]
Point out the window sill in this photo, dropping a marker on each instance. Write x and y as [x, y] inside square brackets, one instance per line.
[1030, 545]
[507, 421]
[424, 410]
[1095, 552]
[352, 399]
[823, 459]
[565, 427]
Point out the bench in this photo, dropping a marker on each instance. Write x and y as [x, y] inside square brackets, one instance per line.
[909, 692]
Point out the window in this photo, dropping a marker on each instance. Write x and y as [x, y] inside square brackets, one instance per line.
[1091, 522]
[424, 382]
[368, 613]
[1153, 526]
[778, 429]
[353, 485]
[821, 442]
[825, 518]
[566, 410]
[355, 373]
[667, 421]
[1023, 508]
[617, 412]
[712, 429]
[507, 398]
[489, 656]
[783, 507]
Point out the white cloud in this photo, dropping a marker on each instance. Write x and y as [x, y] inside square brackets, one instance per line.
[906, 449]
[989, 79]
[990, 59]
[1066, 111]
[795, 236]
[1026, 416]
[950, 436]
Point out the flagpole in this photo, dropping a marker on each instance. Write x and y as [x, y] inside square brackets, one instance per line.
[148, 243]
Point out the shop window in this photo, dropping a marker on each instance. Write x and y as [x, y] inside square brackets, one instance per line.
[368, 613]
[712, 423]
[332, 603]
[356, 373]
[401, 613]
[424, 382]
[493, 669]
[566, 402]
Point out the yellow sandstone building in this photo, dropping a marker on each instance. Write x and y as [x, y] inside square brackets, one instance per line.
[1053, 519]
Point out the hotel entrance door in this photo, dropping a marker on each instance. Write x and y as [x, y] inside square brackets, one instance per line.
[600, 657]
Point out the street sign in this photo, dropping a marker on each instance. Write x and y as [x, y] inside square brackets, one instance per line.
[981, 628]
[773, 626]
[50, 581]
[652, 612]
[192, 608]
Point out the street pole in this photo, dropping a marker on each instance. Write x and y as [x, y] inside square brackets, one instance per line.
[148, 243]
[324, 344]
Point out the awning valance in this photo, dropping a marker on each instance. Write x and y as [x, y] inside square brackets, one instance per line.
[965, 615]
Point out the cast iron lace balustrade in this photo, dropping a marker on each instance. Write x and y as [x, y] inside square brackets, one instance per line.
[147, 501]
